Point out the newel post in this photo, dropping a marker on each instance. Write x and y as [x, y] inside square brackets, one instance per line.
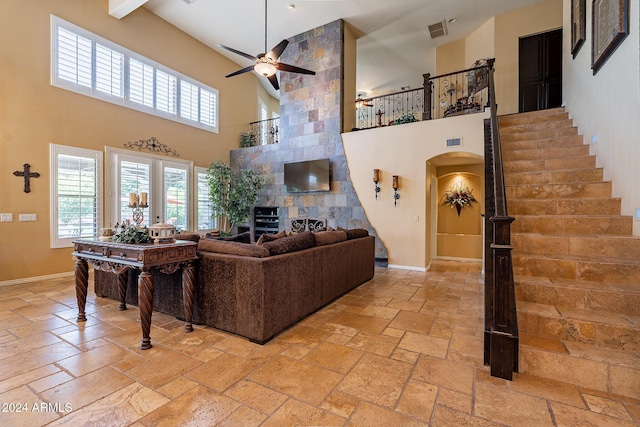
[427, 85]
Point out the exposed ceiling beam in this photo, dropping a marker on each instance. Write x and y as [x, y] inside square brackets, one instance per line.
[121, 8]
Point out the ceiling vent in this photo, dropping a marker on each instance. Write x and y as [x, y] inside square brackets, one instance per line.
[438, 29]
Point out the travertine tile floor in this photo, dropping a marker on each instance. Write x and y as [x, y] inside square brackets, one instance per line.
[403, 349]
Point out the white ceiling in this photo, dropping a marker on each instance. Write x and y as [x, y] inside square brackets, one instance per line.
[394, 48]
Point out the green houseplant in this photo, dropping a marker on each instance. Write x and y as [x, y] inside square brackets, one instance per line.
[247, 139]
[232, 195]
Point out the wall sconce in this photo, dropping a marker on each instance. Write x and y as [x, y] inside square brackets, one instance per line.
[396, 196]
[376, 180]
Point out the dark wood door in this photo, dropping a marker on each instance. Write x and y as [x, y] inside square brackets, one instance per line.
[540, 71]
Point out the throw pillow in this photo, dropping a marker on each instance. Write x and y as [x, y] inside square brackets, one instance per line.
[329, 237]
[264, 238]
[290, 244]
[354, 233]
[232, 248]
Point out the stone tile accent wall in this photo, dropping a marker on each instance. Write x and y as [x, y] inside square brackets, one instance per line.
[311, 123]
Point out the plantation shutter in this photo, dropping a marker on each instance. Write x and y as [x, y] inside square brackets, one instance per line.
[205, 220]
[140, 83]
[188, 101]
[176, 209]
[134, 178]
[166, 92]
[109, 71]
[74, 57]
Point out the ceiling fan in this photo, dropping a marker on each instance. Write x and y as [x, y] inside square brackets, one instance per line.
[266, 64]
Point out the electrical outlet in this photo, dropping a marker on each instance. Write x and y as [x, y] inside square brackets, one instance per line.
[6, 217]
[27, 217]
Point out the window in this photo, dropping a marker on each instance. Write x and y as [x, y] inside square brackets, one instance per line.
[204, 211]
[85, 63]
[167, 181]
[76, 194]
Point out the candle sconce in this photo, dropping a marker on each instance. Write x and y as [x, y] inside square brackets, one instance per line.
[137, 202]
[376, 180]
[396, 196]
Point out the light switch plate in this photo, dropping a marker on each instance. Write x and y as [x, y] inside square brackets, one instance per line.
[27, 217]
[6, 217]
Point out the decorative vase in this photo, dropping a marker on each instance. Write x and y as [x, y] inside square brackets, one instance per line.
[458, 208]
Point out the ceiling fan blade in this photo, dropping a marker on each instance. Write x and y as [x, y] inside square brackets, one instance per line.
[293, 69]
[244, 70]
[275, 53]
[274, 81]
[246, 55]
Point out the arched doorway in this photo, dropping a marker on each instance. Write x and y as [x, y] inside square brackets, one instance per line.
[456, 235]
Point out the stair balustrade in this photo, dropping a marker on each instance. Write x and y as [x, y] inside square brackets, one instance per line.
[446, 95]
[501, 339]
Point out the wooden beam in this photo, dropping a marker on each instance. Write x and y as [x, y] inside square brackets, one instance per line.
[121, 8]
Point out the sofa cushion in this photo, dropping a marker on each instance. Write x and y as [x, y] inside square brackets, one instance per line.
[264, 238]
[187, 235]
[290, 244]
[329, 237]
[354, 233]
[242, 237]
[232, 248]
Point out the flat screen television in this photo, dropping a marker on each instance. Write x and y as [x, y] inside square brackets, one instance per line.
[307, 176]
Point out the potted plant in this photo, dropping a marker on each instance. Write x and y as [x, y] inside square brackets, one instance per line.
[232, 195]
[247, 139]
[406, 118]
[458, 196]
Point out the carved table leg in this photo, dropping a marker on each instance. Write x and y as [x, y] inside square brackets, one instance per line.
[82, 283]
[122, 289]
[145, 300]
[188, 280]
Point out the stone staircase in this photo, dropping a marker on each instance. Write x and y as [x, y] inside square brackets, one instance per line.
[576, 262]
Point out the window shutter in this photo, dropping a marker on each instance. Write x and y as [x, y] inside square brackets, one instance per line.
[166, 92]
[188, 101]
[109, 71]
[134, 178]
[175, 196]
[204, 209]
[140, 83]
[77, 197]
[74, 58]
[207, 108]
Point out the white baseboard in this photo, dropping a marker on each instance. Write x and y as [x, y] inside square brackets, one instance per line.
[407, 267]
[452, 258]
[36, 279]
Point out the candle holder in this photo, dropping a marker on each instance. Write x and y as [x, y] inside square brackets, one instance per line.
[137, 202]
[396, 196]
[376, 180]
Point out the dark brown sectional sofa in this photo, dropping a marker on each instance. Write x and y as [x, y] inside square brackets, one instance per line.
[258, 291]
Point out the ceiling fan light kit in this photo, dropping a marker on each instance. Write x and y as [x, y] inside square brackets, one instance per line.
[266, 64]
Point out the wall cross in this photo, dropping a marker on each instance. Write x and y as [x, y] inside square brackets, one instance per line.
[27, 174]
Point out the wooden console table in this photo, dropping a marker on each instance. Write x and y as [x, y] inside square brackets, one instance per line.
[119, 257]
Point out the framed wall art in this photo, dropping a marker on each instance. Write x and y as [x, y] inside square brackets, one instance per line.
[578, 25]
[610, 27]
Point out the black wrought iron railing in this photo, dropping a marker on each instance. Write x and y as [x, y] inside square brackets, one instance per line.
[446, 95]
[262, 132]
[501, 338]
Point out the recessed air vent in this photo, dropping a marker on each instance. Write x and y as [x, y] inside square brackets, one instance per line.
[438, 29]
[454, 142]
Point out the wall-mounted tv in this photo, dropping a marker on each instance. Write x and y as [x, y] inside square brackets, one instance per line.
[307, 176]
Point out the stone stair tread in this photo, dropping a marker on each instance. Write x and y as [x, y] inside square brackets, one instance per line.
[551, 310]
[578, 284]
[596, 259]
[582, 351]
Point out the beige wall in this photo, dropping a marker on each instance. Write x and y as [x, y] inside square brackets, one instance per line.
[405, 150]
[606, 107]
[34, 114]
[481, 43]
[460, 236]
[450, 57]
[509, 27]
